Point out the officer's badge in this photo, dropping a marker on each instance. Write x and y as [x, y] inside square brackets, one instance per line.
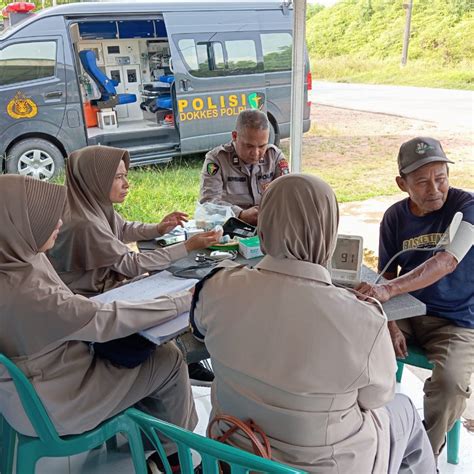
[284, 167]
[212, 169]
[235, 160]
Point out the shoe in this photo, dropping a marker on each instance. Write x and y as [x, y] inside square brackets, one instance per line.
[199, 375]
[155, 466]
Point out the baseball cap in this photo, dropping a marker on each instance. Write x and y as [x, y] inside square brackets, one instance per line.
[418, 152]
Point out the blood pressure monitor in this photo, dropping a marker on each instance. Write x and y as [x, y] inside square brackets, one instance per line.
[346, 261]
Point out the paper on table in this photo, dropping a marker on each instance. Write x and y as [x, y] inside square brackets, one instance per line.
[163, 283]
[167, 331]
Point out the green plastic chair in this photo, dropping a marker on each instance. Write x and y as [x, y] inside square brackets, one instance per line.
[416, 357]
[240, 462]
[49, 443]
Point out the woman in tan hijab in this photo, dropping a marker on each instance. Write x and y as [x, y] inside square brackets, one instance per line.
[91, 255]
[43, 324]
[307, 361]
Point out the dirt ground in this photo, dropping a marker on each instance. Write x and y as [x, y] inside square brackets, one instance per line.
[346, 135]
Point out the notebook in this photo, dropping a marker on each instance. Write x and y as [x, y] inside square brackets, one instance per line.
[161, 283]
[346, 262]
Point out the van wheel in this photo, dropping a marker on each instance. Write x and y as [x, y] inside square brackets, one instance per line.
[274, 138]
[35, 157]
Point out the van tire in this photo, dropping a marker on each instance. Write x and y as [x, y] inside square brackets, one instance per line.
[35, 157]
[274, 138]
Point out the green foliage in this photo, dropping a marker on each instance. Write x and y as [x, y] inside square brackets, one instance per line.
[312, 9]
[371, 31]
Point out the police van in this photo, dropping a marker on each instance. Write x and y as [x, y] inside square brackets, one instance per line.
[160, 79]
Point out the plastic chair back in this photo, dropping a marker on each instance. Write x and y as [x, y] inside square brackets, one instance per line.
[211, 451]
[32, 405]
[48, 443]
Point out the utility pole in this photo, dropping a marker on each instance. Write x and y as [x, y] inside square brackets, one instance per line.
[297, 85]
[406, 36]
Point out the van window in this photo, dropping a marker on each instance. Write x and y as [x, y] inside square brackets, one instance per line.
[241, 56]
[219, 58]
[22, 62]
[276, 51]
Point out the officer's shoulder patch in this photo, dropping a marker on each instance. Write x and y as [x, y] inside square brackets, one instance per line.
[212, 168]
[284, 167]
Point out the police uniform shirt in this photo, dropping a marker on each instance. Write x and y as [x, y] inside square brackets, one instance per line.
[227, 180]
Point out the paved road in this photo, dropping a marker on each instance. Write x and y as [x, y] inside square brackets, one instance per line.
[452, 109]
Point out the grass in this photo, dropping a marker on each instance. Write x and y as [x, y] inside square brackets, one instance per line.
[422, 73]
[362, 41]
[158, 190]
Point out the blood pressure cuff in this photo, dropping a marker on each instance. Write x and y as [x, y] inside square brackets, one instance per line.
[462, 241]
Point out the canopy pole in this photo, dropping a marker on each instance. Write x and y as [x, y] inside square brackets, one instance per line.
[297, 85]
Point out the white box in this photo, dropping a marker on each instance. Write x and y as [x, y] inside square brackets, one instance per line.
[250, 247]
[107, 118]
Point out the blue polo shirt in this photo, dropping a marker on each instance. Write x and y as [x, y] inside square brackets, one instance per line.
[451, 297]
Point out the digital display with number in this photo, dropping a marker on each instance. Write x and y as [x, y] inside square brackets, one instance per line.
[346, 255]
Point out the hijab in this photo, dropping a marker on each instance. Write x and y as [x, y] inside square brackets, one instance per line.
[90, 238]
[298, 219]
[36, 308]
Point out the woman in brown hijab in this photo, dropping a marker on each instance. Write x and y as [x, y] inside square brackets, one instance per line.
[307, 361]
[43, 324]
[91, 255]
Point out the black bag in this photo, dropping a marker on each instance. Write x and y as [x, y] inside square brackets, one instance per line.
[127, 351]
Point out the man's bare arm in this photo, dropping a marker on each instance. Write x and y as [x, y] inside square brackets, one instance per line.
[429, 272]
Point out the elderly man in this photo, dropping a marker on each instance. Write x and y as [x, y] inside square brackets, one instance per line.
[237, 173]
[443, 280]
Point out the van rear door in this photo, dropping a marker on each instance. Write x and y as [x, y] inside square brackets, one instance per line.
[218, 68]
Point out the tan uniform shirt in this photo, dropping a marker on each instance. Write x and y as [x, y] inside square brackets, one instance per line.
[307, 361]
[79, 390]
[227, 180]
[130, 265]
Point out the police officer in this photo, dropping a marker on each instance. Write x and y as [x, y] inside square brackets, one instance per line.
[237, 173]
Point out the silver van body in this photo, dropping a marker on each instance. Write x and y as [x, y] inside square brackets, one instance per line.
[158, 78]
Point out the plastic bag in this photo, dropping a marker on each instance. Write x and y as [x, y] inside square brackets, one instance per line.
[208, 215]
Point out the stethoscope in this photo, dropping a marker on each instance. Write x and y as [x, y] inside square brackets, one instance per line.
[202, 258]
[204, 261]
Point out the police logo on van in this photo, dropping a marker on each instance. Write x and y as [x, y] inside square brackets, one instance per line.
[256, 100]
[21, 107]
[214, 107]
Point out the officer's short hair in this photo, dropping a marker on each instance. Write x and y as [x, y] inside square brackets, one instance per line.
[253, 119]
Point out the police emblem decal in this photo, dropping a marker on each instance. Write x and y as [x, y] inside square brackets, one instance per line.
[256, 100]
[212, 169]
[21, 107]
